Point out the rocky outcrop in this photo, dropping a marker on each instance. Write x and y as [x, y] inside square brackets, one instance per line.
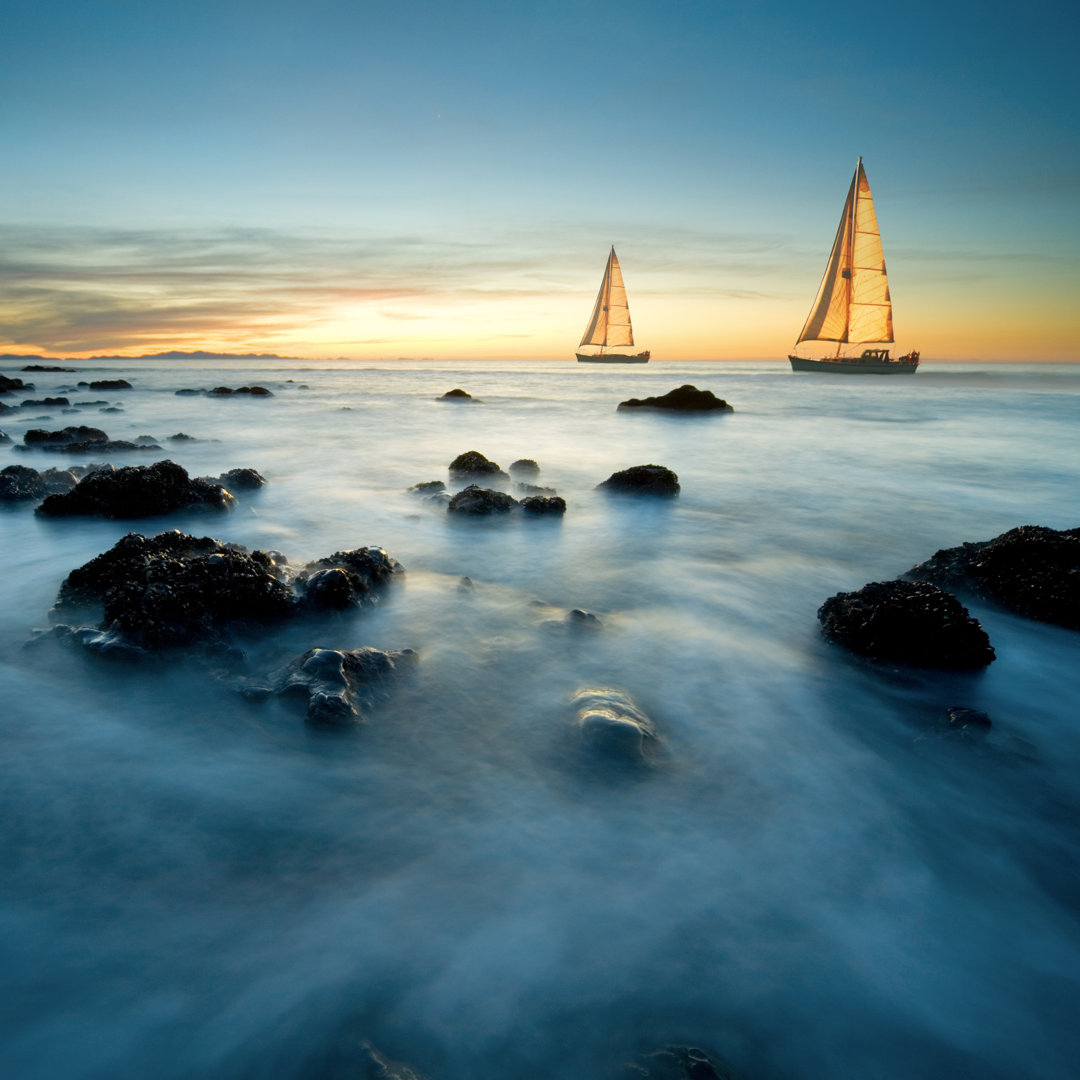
[9, 385]
[906, 622]
[137, 491]
[82, 440]
[478, 500]
[1031, 570]
[473, 463]
[110, 384]
[44, 403]
[341, 686]
[242, 480]
[687, 399]
[428, 487]
[4, 437]
[642, 480]
[456, 394]
[20, 483]
[227, 391]
[524, 467]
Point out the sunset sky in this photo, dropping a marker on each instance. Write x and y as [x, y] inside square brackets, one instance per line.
[373, 180]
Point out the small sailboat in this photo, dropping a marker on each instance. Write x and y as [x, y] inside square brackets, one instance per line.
[609, 327]
[853, 305]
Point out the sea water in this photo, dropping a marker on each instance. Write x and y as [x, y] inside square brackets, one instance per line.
[808, 880]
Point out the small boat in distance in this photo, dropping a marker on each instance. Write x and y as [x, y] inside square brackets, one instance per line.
[853, 305]
[610, 326]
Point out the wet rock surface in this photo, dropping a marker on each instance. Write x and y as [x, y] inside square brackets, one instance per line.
[341, 686]
[477, 500]
[544, 504]
[906, 622]
[686, 398]
[677, 1063]
[612, 725]
[19, 482]
[242, 480]
[1030, 570]
[137, 491]
[82, 439]
[642, 480]
[473, 463]
[347, 578]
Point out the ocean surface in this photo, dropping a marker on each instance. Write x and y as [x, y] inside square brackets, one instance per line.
[808, 879]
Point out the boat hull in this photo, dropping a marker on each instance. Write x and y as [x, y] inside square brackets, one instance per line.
[614, 358]
[855, 365]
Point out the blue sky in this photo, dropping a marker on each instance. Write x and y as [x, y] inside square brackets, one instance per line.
[332, 178]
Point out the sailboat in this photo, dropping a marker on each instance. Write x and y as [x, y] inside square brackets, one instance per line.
[610, 326]
[853, 305]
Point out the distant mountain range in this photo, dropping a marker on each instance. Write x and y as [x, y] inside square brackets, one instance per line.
[172, 354]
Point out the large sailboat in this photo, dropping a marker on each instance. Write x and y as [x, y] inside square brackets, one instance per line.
[609, 328]
[853, 305]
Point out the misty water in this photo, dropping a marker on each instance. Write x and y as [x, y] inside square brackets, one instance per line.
[808, 879]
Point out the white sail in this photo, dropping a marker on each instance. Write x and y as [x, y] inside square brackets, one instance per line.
[610, 322]
[853, 302]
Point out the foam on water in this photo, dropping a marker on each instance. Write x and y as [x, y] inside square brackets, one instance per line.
[805, 880]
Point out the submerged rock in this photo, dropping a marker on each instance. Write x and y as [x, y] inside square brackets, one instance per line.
[428, 487]
[610, 723]
[686, 398]
[1031, 570]
[643, 480]
[473, 463]
[478, 500]
[677, 1063]
[341, 686]
[4, 437]
[137, 491]
[906, 622]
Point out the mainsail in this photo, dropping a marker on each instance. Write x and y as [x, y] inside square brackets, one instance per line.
[853, 302]
[610, 322]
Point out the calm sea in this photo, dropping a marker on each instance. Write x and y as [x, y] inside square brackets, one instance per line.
[809, 880]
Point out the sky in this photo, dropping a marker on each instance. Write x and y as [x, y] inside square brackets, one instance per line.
[326, 178]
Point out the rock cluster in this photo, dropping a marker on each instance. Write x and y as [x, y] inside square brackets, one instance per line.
[82, 439]
[137, 491]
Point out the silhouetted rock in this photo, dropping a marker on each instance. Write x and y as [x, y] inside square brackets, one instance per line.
[524, 467]
[544, 504]
[46, 367]
[906, 622]
[478, 500]
[456, 395]
[4, 437]
[642, 480]
[174, 589]
[1031, 570]
[110, 384]
[340, 686]
[65, 437]
[686, 398]
[227, 391]
[428, 487]
[44, 403]
[473, 463]
[8, 385]
[137, 491]
[242, 480]
[19, 483]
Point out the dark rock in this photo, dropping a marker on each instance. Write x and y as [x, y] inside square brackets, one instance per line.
[7, 385]
[44, 403]
[174, 589]
[429, 487]
[4, 437]
[340, 686]
[347, 578]
[188, 392]
[534, 489]
[242, 480]
[253, 391]
[524, 467]
[686, 398]
[473, 463]
[967, 725]
[181, 437]
[19, 483]
[677, 1063]
[585, 619]
[68, 436]
[46, 367]
[544, 504]
[611, 723]
[137, 491]
[456, 395]
[220, 391]
[90, 404]
[906, 622]
[478, 500]
[110, 384]
[643, 480]
[1031, 570]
